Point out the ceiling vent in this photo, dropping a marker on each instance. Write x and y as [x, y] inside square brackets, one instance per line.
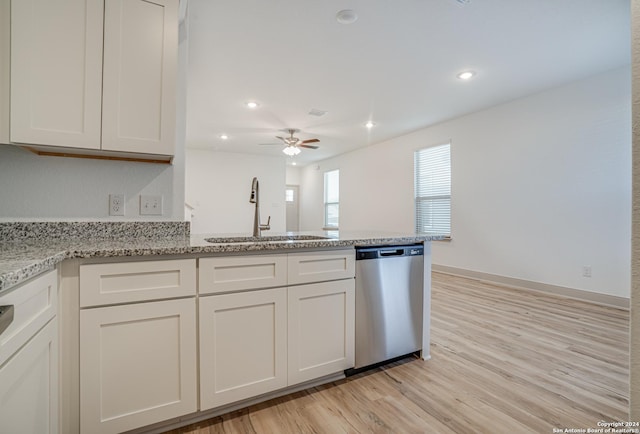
[316, 112]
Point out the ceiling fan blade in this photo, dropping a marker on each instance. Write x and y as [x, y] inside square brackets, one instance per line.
[310, 141]
[308, 146]
[281, 138]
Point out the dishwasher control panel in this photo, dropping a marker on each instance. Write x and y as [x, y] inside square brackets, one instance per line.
[388, 251]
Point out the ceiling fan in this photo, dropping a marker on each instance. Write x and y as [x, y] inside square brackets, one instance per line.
[293, 144]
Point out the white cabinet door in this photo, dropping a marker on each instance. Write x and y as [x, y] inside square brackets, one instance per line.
[321, 329]
[140, 64]
[243, 345]
[29, 386]
[56, 72]
[137, 365]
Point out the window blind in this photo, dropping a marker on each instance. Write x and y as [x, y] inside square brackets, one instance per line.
[432, 172]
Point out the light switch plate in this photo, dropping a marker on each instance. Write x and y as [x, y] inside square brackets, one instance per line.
[150, 205]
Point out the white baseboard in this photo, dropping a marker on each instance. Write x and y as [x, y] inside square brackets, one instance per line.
[577, 294]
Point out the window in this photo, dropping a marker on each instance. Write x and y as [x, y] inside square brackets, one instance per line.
[432, 172]
[331, 198]
[288, 195]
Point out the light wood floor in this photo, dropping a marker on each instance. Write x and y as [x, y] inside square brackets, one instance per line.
[503, 361]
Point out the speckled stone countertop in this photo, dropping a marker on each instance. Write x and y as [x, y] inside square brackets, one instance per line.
[28, 251]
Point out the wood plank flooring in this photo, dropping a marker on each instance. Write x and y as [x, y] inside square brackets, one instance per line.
[503, 361]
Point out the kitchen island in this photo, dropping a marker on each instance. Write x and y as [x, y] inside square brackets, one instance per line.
[159, 327]
[28, 249]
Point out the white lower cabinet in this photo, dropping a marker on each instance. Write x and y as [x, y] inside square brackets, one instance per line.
[137, 364]
[321, 329]
[259, 341]
[146, 357]
[29, 358]
[243, 345]
[29, 386]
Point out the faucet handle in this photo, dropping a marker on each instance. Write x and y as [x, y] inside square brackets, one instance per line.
[267, 226]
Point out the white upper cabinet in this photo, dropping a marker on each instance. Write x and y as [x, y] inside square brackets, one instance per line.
[140, 57]
[56, 72]
[66, 91]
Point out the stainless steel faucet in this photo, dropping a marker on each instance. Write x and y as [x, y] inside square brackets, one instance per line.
[255, 198]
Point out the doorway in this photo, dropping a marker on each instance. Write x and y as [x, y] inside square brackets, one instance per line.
[291, 199]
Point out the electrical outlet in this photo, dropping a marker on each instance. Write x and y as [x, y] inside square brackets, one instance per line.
[586, 271]
[116, 204]
[150, 205]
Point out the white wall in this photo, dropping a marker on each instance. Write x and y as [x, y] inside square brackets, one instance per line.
[540, 186]
[52, 188]
[292, 175]
[218, 185]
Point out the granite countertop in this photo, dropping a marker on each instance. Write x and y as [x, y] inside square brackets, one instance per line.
[22, 257]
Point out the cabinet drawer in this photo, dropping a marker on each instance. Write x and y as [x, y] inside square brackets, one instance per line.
[238, 273]
[34, 303]
[321, 266]
[127, 282]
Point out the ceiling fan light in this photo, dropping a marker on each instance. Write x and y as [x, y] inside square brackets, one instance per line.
[291, 151]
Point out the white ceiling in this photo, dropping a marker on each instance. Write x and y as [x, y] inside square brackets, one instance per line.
[396, 65]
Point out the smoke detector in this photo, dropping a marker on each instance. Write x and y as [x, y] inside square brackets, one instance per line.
[347, 16]
[317, 112]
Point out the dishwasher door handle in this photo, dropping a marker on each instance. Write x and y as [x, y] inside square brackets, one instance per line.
[394, 252]
[6, 317]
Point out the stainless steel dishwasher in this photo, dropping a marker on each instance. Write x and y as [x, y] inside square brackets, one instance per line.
[389, 292]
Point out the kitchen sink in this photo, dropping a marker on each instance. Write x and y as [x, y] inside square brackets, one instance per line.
[263, 239]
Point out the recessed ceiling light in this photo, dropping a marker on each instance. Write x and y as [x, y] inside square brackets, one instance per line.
[224, 136]
[466, 75]
[369, 124]
[252, 104]
[347, 16]
[294, 164]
